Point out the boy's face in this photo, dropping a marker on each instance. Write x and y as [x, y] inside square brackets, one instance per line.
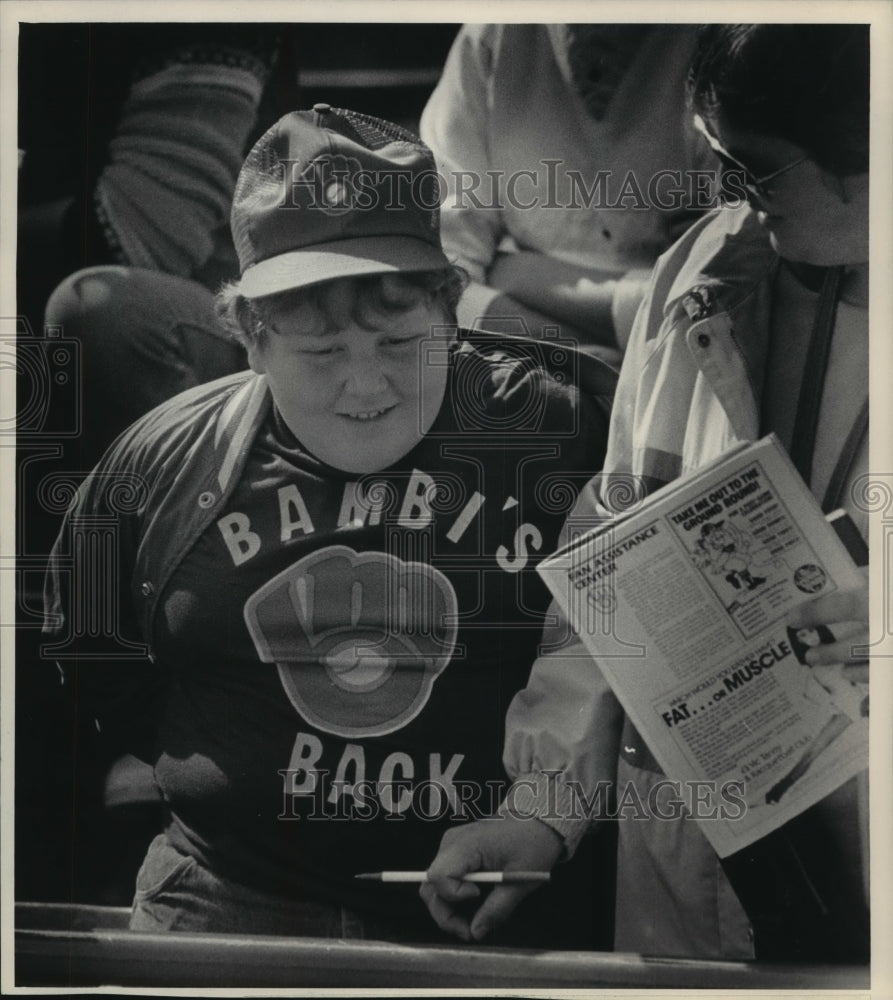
[358, 399]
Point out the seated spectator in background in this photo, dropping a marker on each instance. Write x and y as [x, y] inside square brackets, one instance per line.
[135, 228]
[755, 321]
[331, 557]
[568, 156]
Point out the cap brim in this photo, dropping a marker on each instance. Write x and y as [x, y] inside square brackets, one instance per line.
[340, 259]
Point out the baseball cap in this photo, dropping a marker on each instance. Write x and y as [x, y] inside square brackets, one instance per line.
[330, 193]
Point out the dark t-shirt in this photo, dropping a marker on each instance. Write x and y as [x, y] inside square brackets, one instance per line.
[343, 649]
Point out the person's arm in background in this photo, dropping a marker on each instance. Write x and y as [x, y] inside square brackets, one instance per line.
[455, 125]
[601, 304]
[563, 729]
[590, 306]
[562, 740]
[561, 751]
[575, 297]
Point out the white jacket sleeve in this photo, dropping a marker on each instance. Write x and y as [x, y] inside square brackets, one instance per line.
[563, 729]
[455, 125]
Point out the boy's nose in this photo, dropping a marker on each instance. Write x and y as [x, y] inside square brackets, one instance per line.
[366, 378]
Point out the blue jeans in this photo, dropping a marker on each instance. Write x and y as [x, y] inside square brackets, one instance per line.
[174, 892]
[144, 336]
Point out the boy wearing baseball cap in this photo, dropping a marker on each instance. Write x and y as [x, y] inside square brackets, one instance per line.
[329, 559]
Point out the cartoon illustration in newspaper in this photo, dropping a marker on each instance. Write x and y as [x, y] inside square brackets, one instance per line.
[726, 550]
[748, 548]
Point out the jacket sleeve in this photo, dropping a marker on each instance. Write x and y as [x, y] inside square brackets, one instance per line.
[455, 125]
[90, 627]
[563, 729]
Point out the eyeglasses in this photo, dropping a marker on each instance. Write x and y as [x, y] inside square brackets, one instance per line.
[757, 185]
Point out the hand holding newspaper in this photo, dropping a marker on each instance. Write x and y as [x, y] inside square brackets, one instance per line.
[683, 603]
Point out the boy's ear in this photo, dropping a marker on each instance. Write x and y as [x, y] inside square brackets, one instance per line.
[255, 354]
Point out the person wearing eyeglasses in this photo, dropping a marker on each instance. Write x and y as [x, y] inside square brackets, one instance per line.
[743, 177]
[756, 320]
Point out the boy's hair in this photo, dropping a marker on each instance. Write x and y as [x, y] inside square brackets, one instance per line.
[377, 296]
[806, 83]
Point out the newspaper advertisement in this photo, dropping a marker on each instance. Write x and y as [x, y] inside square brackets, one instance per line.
[683, 605]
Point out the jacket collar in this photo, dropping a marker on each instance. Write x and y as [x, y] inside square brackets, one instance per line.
[734, 256]
[237, 426]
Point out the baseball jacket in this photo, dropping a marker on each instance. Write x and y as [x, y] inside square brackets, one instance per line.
[152, 511]
[157, 488]
[690, 388]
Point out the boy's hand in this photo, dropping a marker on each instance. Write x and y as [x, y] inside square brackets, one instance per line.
[498, 844]
[847, 612]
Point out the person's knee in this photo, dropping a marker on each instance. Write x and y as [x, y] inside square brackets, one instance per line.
[96, 296]
[92, 301]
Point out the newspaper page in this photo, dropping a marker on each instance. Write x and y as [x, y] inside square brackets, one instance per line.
[683, 604]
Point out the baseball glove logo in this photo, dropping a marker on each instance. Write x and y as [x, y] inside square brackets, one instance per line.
[358, 639]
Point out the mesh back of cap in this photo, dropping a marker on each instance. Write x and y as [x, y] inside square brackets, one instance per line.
[374, 133]
[262, 171]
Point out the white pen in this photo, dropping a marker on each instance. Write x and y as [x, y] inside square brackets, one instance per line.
[497, 877]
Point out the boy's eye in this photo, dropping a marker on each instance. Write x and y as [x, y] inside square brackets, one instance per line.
[399, 341]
